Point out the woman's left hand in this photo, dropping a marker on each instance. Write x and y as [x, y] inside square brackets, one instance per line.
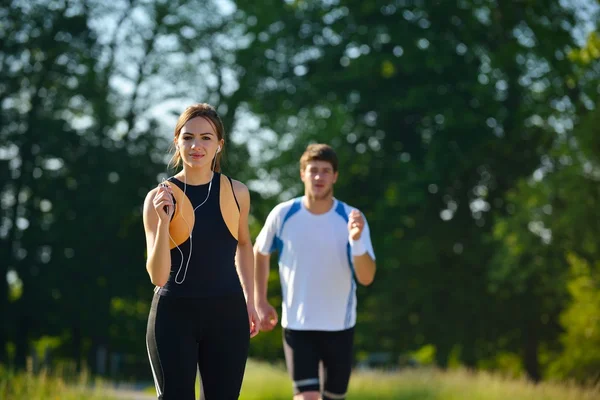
[253, 320]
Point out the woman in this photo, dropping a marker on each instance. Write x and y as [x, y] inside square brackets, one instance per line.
[200, 259]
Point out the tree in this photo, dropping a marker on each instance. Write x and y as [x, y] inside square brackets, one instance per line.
[84, 107]
[434, 109]
[549, 243]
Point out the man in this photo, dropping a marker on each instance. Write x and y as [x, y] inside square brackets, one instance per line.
[323, 244]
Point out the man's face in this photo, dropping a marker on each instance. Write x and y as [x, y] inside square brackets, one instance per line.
[318, 178]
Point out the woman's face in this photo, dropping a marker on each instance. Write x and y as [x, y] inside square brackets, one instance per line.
[197, 142]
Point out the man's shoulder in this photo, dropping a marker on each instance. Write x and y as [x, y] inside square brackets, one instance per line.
[347, 208]
[283, 208]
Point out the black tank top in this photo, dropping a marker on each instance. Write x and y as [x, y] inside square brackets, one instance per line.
[211, 270]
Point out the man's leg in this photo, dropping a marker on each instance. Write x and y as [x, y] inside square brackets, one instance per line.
[336, 352]
[302, 362]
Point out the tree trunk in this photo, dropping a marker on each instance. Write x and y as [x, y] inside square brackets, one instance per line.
[442, 354]
[76, 344]
[4, 313]
[22, 342]
[530, 353]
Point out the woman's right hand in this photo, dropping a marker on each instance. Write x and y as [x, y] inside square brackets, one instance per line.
[163, 198]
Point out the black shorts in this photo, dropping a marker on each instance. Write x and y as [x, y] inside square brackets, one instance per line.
[304, 350]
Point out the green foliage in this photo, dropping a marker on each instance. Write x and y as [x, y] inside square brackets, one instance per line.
[436, 116]
[453, 123]
[49, 386]
[82, 145]
[580, 358]
[551, 228]
[425, 355]
[504, 363]
[589, 53]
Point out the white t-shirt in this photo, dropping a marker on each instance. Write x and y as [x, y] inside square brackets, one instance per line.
[315, 264]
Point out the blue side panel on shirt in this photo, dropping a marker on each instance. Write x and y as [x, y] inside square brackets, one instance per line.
[349, 304]
[277, 245]
[341, 210]
[277, 242]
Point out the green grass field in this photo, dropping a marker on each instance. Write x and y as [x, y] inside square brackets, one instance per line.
[271, 383]
[266, 382]
[46, 386]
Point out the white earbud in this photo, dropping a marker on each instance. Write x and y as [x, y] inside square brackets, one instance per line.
[190, 229]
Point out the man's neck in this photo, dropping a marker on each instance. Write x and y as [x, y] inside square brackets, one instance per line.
[318, 206]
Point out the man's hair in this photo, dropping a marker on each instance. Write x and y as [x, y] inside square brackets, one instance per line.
[319, 152]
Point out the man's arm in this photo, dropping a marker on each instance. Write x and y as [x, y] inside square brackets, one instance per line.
[261, 275]
[262, 260]
[364, 268]
[364, 263]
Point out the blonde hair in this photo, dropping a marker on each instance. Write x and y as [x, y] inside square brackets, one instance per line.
[207, 112]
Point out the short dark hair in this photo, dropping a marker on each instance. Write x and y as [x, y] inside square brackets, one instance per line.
[319, 152]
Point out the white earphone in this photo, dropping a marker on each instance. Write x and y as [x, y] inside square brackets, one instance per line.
[190, 229]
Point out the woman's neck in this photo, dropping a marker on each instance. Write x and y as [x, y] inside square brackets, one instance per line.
[195, 176]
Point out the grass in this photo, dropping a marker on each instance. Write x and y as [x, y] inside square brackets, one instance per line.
[270, 382]
[266, 382]
[49, 386]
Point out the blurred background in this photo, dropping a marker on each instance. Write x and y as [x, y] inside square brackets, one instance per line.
[467, 133]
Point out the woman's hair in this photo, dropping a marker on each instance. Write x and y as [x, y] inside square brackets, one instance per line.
[319, 152]
[207, 112]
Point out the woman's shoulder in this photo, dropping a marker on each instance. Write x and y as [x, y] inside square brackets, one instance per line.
[240, 191]
[151, 193]
[238, 186]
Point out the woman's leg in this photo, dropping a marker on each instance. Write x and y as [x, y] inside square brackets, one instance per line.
[172, 349]
[224, 347]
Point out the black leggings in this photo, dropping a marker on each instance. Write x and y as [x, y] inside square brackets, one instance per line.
[186, 334]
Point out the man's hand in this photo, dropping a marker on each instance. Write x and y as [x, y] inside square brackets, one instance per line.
[356, 223]
[267, 315]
